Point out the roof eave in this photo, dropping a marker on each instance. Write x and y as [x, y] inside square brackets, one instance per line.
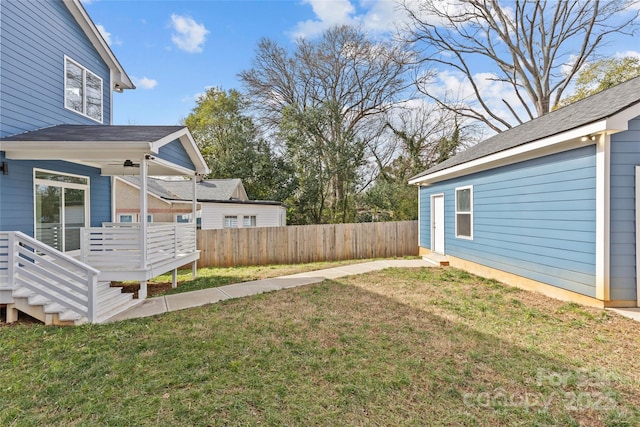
[121, 80]
[189, 145]
[556, 143]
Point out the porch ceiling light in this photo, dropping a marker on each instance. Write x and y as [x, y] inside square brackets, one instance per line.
[588, 138]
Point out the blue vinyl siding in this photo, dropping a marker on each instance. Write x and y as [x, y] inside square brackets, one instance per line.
[535, 219]
[16, 189]
[625, 155]
[174, 152]
[35, 37]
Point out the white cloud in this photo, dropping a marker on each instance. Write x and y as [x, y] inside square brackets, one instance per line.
[632, 53]
[145, 82]
[377, 15]
[111, 41]
[105, 34]
[188, 34]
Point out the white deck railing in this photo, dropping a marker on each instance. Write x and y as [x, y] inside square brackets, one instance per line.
[28, 263]
[119, 246]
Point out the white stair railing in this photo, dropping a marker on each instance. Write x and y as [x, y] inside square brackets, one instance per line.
[50, 273]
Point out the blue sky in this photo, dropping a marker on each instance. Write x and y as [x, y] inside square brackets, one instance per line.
[173, 50]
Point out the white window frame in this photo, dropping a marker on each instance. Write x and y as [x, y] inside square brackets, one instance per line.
[248, 217]
[135, 218]
[85, 70]
[470, 213]
[224, 221]
[120, 221]
[87, 199]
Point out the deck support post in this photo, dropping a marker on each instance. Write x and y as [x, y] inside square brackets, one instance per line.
[12, 313]
[174, 278]
[142, 293]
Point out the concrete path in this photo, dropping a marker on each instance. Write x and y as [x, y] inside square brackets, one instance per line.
[164, 304]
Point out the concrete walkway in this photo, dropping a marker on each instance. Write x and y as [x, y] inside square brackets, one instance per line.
[164, 304]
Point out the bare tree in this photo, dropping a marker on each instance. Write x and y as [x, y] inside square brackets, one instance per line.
[534, 48]
[332, 92]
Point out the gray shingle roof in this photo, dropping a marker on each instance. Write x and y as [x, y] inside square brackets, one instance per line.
[208, 190]
[592, 109]
[98, 133]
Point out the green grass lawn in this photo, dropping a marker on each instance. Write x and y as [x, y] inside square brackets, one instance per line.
[390, 348]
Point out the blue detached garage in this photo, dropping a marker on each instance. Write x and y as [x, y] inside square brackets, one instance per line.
[550, 205]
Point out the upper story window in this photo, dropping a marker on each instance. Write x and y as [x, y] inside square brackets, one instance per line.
[82, 90]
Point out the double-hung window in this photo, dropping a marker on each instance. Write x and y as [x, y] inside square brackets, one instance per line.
[464, 212]
[230, 221]
[249, 221]
[82, 90]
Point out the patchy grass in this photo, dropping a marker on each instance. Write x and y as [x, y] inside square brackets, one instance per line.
[396, 347]
[213, 277]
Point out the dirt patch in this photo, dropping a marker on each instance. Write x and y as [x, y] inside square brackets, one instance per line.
[153, 288]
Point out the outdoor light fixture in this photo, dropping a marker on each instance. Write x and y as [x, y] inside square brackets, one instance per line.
[588, 138]
[4, 167]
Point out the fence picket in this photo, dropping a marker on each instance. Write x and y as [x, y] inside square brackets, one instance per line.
[305, 243]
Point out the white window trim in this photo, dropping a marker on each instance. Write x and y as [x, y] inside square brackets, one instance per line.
[224, 221]
[455, 201]
[87, 197]
[244, 217]
[135, 217]
[85, 70]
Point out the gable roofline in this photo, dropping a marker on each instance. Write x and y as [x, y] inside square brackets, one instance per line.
[105, 146]
[151, 193]
[119, 76]
[607, 112]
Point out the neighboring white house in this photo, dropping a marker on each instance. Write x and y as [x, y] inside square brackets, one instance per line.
[222, 203]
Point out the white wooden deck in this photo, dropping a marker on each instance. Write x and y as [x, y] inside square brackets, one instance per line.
[62, 288]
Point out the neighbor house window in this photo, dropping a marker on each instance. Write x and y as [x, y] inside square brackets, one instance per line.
[249, 221]
[82, 90]
[464, 212]
[230, 221]
[61, 208]
[130, 218]
[183, 218]
[125, 218]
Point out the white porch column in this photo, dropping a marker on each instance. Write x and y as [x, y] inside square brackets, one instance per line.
[142, 293]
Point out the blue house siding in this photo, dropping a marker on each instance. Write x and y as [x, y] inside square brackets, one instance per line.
[535, 219]
[174, 152]
[16, 188]
[625, 155]
[35, 37]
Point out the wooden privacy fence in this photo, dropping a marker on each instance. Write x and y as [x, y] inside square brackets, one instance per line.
[306, 243]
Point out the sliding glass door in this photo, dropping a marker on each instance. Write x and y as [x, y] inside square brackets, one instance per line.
[61, 209]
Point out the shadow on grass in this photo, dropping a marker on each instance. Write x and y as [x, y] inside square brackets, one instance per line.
[327, 354]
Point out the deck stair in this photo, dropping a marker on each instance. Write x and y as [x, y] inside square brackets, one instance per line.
[436, 259]
[111, 302]
[53, 287]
